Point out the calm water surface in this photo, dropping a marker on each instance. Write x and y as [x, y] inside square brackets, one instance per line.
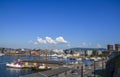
[12, 72]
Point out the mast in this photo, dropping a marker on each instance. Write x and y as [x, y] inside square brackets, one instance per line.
[46, 59]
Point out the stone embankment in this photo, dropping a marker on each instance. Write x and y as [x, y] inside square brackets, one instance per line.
[113, 67]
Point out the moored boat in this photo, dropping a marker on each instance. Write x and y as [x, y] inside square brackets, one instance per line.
[44, 67]
[1, 54]
[16, 64]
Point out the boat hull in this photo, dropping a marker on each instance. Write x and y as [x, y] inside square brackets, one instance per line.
[12, 65]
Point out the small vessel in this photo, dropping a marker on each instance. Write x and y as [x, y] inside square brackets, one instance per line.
[54, 55]
[1, 54]
[43, 66]
[16, 64]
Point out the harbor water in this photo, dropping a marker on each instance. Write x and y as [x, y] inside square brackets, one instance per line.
[13, 72]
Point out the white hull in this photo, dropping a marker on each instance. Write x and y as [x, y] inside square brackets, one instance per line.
[1, 54]
[43, 67]
[13, 65]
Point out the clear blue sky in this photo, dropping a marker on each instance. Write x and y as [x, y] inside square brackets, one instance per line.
[82, 23]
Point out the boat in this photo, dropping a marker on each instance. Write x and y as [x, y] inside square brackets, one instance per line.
[1, 54]
[16, 64]
[54, 55]
[62, 56]
[43, 66]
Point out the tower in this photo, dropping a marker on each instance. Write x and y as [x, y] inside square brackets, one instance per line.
[117, 47]
[110, 47]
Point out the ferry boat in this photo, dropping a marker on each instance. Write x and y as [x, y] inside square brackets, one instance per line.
[16, 64]
[43, 66]
[1, 54]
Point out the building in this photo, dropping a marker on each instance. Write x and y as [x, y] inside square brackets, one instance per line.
[110, 47]
[99, 52]
[117, 47]
[76, 54]
[89, 52]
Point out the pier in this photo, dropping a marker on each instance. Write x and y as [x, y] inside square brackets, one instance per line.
[85, 71]
[50, 73]
[43, 61]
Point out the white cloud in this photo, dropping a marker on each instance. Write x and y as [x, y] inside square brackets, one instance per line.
[30, 41]
[40, 40]
[68, 45]
[35, 43]
[50, 40]
[60, 40]
[84, 44]
[98, 46]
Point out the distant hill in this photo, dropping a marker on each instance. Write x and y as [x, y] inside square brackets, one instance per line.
[77, 49]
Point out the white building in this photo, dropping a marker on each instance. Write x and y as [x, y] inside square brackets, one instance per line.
[99, 52]
[89, 52]
[58, 51]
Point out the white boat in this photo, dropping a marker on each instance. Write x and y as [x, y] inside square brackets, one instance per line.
[62, 56]
[43, 67]
[13, 65]
[54, 55]
[16, 64]
[1, 54]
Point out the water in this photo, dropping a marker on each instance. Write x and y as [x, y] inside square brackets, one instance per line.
[12, 72]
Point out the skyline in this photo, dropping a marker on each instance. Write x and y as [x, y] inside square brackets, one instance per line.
[59, 23]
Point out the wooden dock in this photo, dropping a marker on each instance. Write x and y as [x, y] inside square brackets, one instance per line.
[43, 61]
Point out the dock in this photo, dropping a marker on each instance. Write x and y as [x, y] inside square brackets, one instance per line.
[50, 73]
[43, 61]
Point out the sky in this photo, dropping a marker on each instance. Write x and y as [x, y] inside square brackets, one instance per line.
[59, 23]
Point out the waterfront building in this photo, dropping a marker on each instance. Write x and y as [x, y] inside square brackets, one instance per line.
[76, 54]
[110, 47]
[117, 47]
[99, 52]
[89, 52]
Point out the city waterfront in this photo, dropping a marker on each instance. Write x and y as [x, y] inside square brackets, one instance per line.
[13, 72]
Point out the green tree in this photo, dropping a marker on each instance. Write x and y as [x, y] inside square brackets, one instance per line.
[86, 54]
[94, 53]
